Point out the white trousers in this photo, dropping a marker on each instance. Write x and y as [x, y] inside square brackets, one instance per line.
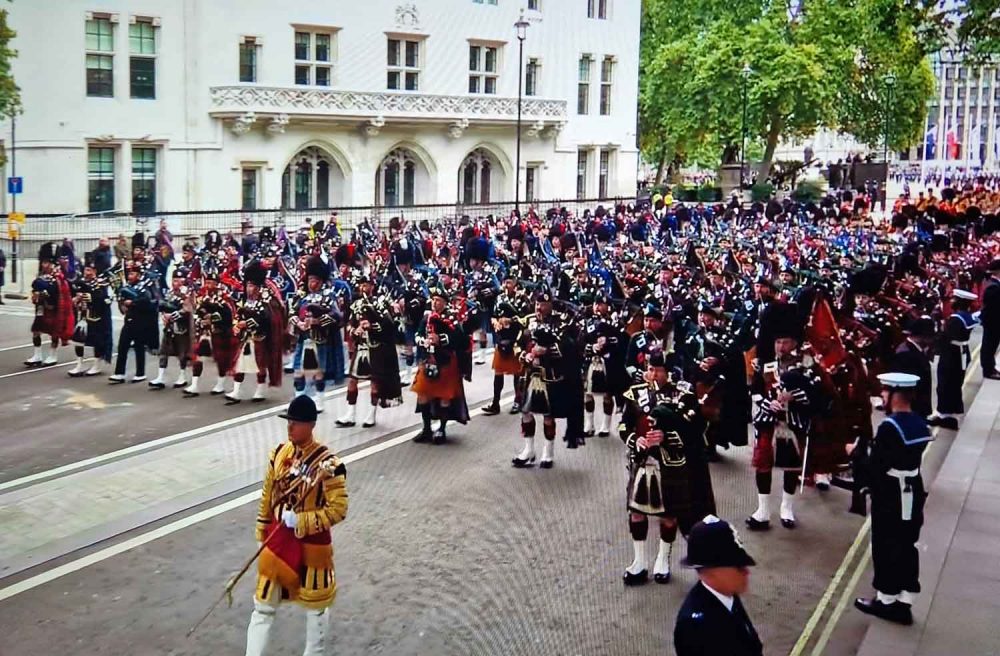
[262, 619]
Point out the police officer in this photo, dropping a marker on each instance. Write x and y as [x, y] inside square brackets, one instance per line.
[712, 619]
[897, 498]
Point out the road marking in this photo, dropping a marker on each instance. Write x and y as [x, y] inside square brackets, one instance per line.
[157, 443]
[139, 540]
[824, 637]
[154, 444]
[803, 640]
[14, 348]
[810, 626]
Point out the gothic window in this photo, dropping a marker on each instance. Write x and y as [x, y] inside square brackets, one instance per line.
[307, 180]
[395, 180]
[475, 177]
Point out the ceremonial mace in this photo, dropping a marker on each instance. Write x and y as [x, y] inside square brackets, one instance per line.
[227, 592]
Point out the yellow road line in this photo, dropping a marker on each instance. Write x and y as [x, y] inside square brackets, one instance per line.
[810, 626]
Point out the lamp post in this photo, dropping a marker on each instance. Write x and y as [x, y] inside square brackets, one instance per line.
[889, 80]
[745, 74]
[521, 28]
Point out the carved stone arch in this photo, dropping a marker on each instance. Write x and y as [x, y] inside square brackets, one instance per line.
[315, 176]
[405, 175]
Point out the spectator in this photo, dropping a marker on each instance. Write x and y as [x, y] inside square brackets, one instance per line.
[3, 268]
[122, 249]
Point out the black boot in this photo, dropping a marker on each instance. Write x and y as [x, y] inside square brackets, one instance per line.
[896, 612]
[492, 409]
[631, 580]
[757, 525]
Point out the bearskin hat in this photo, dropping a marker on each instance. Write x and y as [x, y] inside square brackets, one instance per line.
[254, 273]
[542, 295]
[478, 249]
[47, 252]
[515, 232]
[940, 242]
[213, 240]
[395, 223]
[785, 321]
[401, 252]
[568, 241]
[920, 327]
[315, 266]
[868, 281]
[138, 240]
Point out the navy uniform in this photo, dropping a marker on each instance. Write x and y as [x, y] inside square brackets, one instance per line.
[953, 361]
[991, 322]
[709, 622]
[897, 506]
[912, 358]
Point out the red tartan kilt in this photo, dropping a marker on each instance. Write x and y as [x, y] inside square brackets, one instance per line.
[506, 364]
[224, 352]
[763, 451]
[43, 323]
[447, 386]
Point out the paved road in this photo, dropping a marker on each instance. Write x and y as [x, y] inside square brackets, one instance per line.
[446, 550]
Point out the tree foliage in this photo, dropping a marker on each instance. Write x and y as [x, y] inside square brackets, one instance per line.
[815, 64]
[10, 94]
[976, 24]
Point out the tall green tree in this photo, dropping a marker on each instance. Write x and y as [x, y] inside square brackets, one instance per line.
[815, 64]
[10, 94]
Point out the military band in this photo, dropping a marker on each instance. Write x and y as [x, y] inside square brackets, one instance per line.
[676, 329]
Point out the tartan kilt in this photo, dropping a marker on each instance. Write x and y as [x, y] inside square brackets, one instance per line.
[447, 386]
[224, 351]
[175, 346]
[506, 364]
[658, 491]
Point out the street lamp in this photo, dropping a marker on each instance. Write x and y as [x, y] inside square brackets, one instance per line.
[521, 28]
[889, 80]
[745, 74]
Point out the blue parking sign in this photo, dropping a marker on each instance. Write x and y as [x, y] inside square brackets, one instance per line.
[15, 185]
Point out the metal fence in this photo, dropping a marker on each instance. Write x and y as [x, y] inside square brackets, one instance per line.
[86, 229]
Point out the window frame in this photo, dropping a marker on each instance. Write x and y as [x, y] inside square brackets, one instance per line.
[147, 58]
[255, 171]
[531, 74]
[143, 179]
[403, 71]
[603, 172]
[583, 83]
[312, 64]
[103, 179]
[249, 45]
[604, 104]
[582, 158]
[95, 85]
[480, 74]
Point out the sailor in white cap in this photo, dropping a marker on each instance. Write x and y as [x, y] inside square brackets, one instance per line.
[897, 501]
[953, 361]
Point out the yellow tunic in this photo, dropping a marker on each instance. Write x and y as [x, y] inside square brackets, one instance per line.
[323, 505]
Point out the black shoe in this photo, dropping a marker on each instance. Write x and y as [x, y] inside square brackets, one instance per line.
[116, 381]
[757, 525]
[934, 420]
[424, 436]
[788, 523]
[603, 434]
[288, 370]
[546, 464]
[588, 433]
[880, 407]
[523, 464]
[179, 385]
[823, 486]
[72, 375]
[897, 611]
[662, 579]
[515, 408]
[492, 409]
[231, 400]
[631, 580]
[214, 393]
[156, 386]
[190, 395]
[948, 423]
[712, 455]
[439, 436]
[993, 376]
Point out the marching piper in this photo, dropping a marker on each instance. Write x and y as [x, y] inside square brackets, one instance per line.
[51, 296]
[176, 317]
[139, 331]
[314, 317]
[260, 329]
[93, 306]
[897, 500]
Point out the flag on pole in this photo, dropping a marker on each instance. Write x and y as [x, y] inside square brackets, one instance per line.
[929, 143]
[823, 335]
[975, 139]
[952, 140]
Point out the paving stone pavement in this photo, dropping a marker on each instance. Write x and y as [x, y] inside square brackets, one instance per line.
[79, 509]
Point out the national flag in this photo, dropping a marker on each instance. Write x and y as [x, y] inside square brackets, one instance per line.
[929, 143]
[823, 335]
[975, 139]
[954, 147]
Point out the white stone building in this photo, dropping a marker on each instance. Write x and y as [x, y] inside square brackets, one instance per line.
[175, 105]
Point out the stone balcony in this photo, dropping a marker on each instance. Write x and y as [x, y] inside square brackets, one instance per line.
[276, 107]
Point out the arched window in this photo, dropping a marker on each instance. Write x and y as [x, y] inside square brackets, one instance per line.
[306, 183]
[475, 177]
[395, 179]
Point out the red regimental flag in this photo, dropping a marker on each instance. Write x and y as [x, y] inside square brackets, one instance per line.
[824, 336]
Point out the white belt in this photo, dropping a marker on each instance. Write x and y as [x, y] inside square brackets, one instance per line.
[905, 490]
[956, 343]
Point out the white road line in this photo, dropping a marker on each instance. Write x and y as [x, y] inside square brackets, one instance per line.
[34, 370]
[14, 348]
[157, 443]
[154, 444]
[114, 550]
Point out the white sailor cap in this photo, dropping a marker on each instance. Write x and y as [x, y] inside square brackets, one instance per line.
[964, 295]
[898, 379]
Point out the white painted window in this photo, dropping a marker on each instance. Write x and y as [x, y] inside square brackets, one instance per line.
[532, 72]
[313, 57]
[597, 9]
[100, 57]
[583, 84]
[582, 158]
[404, 62]
[607, 73]
[604, 173]
[142, 34]
[483, 68]
[249, 51]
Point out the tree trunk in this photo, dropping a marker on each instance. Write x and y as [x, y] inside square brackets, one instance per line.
[773, 133]
[661, 167]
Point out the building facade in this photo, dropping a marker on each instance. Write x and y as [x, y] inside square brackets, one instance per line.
[176, 105]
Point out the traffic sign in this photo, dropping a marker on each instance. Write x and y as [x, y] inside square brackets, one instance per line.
[12, 231]
[15, 185]
[16, 217]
